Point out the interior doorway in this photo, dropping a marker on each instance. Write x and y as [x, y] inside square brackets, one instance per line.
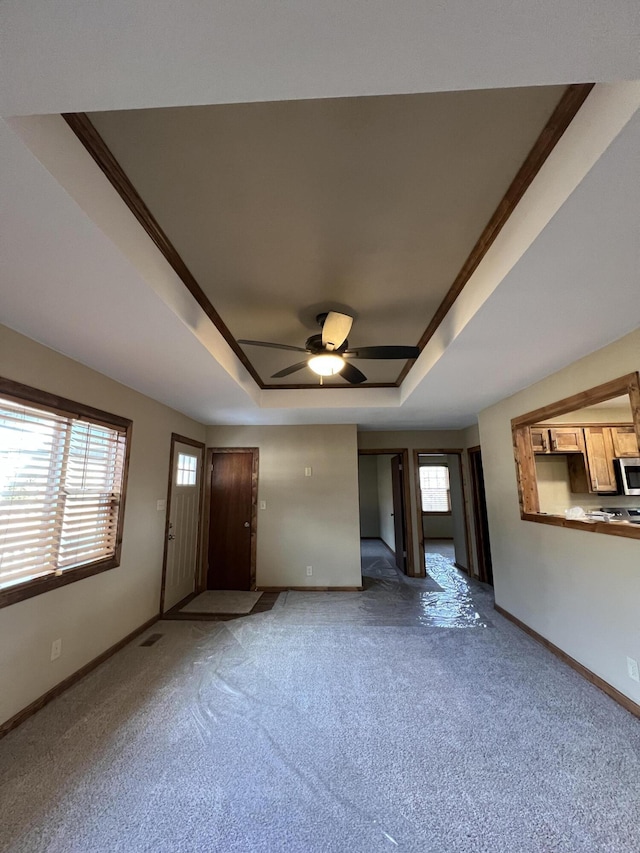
[182, 544]
[232, 503]
[385, 502]
[480, 518]
[442, 515]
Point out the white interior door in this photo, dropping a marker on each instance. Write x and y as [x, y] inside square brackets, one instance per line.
[184, 518]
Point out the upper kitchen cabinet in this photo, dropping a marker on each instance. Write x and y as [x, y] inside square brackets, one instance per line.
[625, 441]
[564, 439]
[540, 439]
[599, 447]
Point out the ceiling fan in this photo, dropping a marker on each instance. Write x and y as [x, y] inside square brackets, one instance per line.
[329, 353]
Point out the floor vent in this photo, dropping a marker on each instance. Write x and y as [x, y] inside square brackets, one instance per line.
[151, 639]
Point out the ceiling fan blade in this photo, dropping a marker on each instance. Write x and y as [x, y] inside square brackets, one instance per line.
[288, 370]
[272, 346]
[335, 329]
[352, 374]
[382, 352]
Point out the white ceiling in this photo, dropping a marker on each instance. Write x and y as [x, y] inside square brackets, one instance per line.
[74, 55]
[68, 269]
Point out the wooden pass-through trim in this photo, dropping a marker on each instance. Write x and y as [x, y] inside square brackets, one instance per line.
[525, 462]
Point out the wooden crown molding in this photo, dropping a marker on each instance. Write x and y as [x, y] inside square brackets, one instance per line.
[570, 102]
[572, 99]
[81, 125]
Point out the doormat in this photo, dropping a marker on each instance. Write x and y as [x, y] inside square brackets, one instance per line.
[228, 601]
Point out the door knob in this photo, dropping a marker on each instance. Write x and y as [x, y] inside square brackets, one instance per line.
[171, 536]
[246, 524]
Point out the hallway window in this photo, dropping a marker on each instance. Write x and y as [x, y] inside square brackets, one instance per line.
[434, 489]
[62, 481]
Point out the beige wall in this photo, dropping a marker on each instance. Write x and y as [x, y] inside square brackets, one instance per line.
[92, 614]
[578, 589]
[385, 501]
[309, 521]
[421, 440]
[458, 511]
[368, 489]
[620, 414]
[437, 526]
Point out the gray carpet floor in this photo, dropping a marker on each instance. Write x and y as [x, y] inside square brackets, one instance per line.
[401, 718]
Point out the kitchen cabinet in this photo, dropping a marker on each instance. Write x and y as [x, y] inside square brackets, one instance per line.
[564, 439]
[590, 451]
[599, 446]
[540, 439]
[625, 441]
[594, 472]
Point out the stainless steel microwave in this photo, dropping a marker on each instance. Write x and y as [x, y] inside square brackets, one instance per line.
[628, 475]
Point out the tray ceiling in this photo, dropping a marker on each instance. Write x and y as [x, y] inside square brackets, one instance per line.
[369, 205]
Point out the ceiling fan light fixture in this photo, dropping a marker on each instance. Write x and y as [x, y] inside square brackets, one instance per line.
[326, 364]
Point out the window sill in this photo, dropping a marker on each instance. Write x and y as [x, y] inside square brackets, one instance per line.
[612, 528]
[29, 589]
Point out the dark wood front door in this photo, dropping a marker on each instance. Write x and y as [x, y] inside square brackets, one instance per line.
[397, 483]
[232, 520]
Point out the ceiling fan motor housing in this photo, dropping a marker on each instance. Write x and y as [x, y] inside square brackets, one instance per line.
[315, 346]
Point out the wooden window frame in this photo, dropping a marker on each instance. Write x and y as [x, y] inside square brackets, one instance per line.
[64, 406]
[525, 457]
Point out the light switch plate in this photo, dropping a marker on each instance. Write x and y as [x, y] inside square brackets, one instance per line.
[161, 505]
[263, 504]
[56, 649]
[307, 472]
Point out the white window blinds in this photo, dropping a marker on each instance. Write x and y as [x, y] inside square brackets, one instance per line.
[434, 488]
[60, 487]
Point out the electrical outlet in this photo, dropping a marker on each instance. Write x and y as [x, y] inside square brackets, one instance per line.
[161, 505]
[309, 571]
[632, 669]
[56, 649]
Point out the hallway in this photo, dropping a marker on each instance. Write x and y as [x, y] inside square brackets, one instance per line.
[408, 717]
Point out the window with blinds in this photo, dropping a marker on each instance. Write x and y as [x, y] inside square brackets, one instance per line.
[434, 488]
[61, 491]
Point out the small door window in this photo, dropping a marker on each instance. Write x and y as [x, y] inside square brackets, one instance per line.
[186, 473]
